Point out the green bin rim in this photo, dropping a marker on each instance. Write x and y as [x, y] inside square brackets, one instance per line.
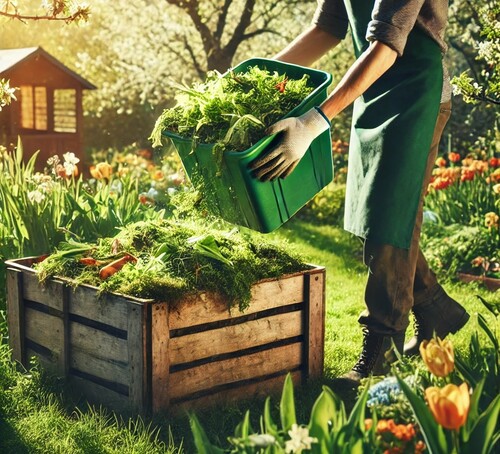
[267, 139]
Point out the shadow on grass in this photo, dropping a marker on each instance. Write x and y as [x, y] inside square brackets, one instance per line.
[10, 440]
[327, 239]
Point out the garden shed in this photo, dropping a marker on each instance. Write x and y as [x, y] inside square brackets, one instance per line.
[48, 114]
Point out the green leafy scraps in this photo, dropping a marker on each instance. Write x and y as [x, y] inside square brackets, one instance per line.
[175, 257]
[207, 246]
[232, 110]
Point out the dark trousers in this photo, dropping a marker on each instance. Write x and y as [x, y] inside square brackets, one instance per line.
[399, 278]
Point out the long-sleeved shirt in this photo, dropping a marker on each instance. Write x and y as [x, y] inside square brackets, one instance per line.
[391, 23]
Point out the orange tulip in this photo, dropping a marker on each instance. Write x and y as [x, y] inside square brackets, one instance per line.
[449, 405]
[102, 170]
[454, 157]
[441, 162]
[438, 356]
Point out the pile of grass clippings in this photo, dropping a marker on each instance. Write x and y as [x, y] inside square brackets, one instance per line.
[172, 258]
[233, 110]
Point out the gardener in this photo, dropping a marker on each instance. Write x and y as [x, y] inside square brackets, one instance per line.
[402, 101]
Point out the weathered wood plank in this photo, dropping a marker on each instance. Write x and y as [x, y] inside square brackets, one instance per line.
[315, 325]
[136, 360]
[244, 367]
[111, 370]
[106, 308]
[47, 331]
[15, 314]
[101, 345]
[270, 387]
[228, 339]
[99, 395]
[160, 357]
[49, 294]
[207, 307]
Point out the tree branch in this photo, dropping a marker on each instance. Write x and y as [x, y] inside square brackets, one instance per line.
[191, 8]
[463, 51]
[221, 22]
[239, 31]
[201, 72]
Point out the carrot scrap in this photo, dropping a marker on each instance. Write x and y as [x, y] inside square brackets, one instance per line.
[115, 266]
[89, 261]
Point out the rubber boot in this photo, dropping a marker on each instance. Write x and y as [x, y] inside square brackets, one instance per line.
[376, 356]
[439, 314]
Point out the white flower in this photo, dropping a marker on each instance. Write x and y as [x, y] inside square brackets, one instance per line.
[53, 160]
[35, 196]
[70, 162]
[70, 158]
[299, 439]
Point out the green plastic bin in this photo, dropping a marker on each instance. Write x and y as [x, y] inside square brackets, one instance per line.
[232, 193]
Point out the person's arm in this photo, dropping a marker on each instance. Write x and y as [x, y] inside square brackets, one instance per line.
[374, 62]
[308, 47]
[299, 132]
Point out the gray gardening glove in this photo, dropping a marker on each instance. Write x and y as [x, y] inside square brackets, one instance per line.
[298, 133]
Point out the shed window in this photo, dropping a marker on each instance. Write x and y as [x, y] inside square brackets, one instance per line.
[34, 108]
[65, 110]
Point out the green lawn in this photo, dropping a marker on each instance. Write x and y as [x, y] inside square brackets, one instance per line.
[35, 416]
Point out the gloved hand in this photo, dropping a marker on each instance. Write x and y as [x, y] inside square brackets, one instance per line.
[298, 133]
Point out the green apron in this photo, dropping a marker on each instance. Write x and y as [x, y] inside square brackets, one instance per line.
[392, 128]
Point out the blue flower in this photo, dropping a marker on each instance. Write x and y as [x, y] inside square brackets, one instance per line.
[384, 392]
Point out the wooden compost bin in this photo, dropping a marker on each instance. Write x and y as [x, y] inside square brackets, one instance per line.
[139, 355]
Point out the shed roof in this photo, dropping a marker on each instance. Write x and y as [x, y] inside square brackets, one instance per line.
[9, 58]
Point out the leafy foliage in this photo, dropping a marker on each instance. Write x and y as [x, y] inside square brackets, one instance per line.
[232, 110]
[39, 210]
[484, 85]
[174, 258]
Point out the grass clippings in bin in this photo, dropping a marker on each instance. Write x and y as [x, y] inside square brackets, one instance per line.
[233, 110]
[167, 259]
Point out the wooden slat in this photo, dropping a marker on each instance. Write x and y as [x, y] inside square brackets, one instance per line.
[109, 309]
[270, 387]
[48, 363]
[110, 370]
[206, 307]
[47, 331]
[50, 294]
[245, 367]
[135, 340]
[101, 345]
[191, 347]
[15, 314]
[160, 357]
[99, 395]
[315, 326]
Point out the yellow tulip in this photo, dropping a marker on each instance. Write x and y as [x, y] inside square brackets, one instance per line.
[449, 405]
[101, 170]
[438, 356]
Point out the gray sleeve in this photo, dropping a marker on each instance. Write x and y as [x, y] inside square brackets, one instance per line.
[392, 22]
[331, 16]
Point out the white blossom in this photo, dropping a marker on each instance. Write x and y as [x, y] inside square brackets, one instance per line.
[70, 162]
[299, 440]
[70, 158]
[35, 196]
